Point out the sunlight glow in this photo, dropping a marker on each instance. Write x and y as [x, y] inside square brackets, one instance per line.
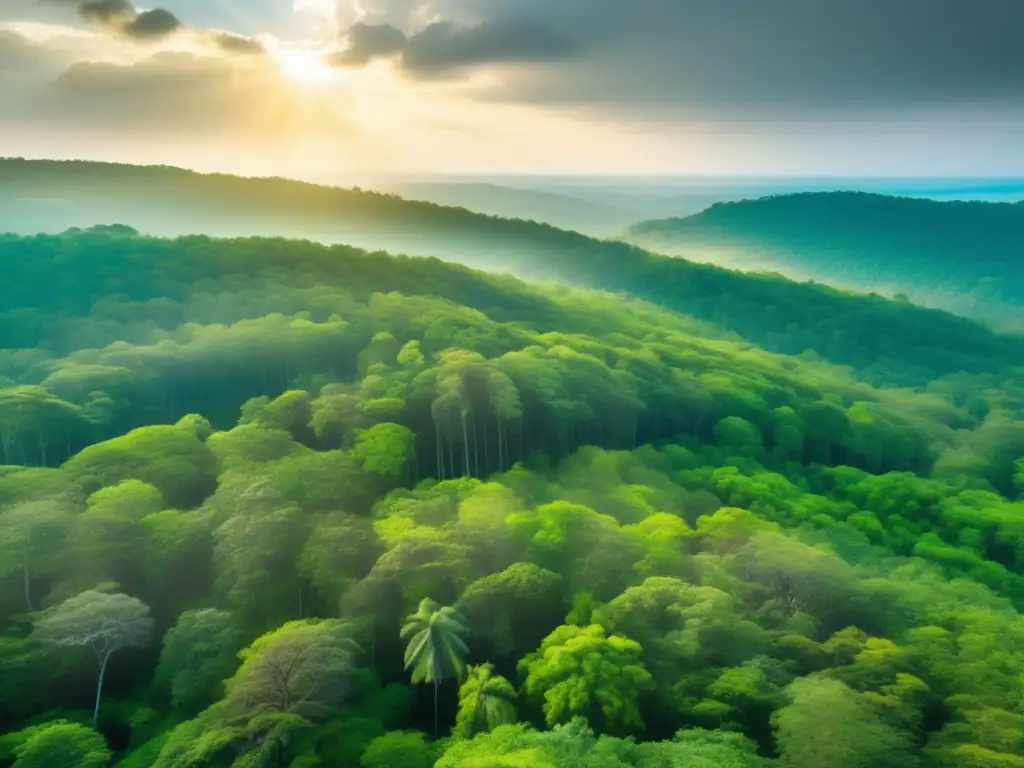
[305, 67]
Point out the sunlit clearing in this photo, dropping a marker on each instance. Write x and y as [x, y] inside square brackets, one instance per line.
[304, 67]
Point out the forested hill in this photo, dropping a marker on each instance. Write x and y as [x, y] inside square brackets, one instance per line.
[130, 330]
[965, 257]
[271, 503]
[886, 342]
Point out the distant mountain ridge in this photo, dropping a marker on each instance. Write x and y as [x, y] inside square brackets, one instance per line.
[964, 257]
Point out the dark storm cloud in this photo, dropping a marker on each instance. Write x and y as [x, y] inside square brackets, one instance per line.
[445, 45]
[737, 54]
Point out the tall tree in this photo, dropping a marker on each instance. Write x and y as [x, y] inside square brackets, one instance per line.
[436, 649]
[105, 623]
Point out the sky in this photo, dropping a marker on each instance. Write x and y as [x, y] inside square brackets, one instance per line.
[336, 88]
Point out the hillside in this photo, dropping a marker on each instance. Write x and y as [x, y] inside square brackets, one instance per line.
[885, 342]
[249, 463]
[964, 257]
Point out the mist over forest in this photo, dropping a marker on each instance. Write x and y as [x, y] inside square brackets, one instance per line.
[961, 256]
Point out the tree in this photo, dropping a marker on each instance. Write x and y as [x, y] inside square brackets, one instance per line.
[580, 671]
[30, 678]
[289, 679]
[30, 537]
[682, 627]
[386, 450]
[172, 458]
[486, 700]
[408, 749]
[108, 537]
[340, 550]
[105, 623]
[826, 723]
[255, 552]
[799, 578]
[199, 652]
[513, 610]
[436, 648]
[738, 437]
[302, 668]
[37, 427]
[59, 744]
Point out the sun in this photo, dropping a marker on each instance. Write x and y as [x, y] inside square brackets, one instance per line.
[305, 67]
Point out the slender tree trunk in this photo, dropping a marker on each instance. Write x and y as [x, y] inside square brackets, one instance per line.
[465, 447]
[99, 690]
[501, 462]
[476, 452]
[521, 456]
[440, 453]
[28, 579]
[451, 458]
[487, 449]
[435, 707]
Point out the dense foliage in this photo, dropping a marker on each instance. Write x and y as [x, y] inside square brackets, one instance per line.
[960, 256]
[268, 503]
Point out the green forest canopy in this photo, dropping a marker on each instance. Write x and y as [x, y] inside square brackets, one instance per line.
[964, 257]
[622, 536]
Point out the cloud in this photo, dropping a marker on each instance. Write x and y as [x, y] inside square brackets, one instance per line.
[28, 62]
[107, 11]
[726, 58]
[122, 18]
[444, 45]
[231, 43]
[367, 42]
[152, 24]
[17, 54]
[209, 103]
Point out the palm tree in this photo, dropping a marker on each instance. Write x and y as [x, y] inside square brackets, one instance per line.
[486, 701]
[436, 648]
